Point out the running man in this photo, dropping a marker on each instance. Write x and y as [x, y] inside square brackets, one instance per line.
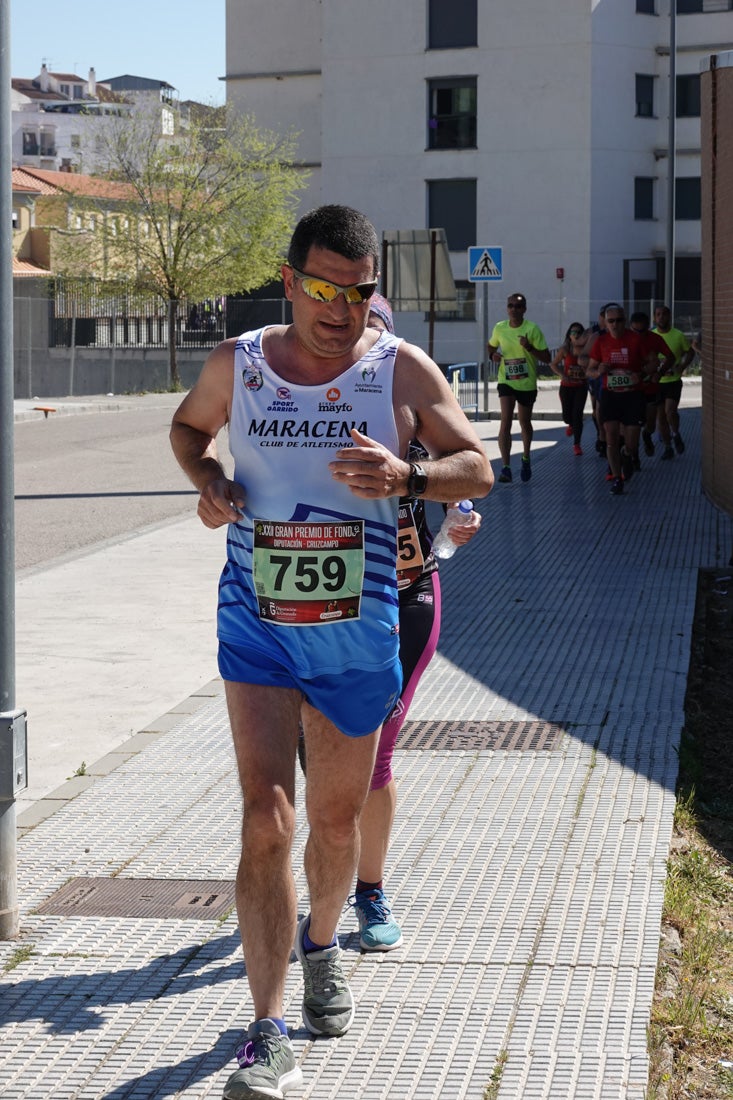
[517, 345]
[320, 415]
[670, 381]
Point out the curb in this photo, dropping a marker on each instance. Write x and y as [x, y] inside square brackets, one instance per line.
[46, 806]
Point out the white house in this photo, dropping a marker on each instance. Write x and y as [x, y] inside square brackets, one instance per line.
[538, 127]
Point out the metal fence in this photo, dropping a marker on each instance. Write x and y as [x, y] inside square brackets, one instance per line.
[86, 315]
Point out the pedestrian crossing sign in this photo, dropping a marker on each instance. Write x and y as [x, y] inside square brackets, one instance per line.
[484, 264]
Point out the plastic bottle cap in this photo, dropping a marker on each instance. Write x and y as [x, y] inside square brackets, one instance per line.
[465, 506]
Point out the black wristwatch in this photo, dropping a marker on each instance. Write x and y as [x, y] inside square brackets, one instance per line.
[417, 482]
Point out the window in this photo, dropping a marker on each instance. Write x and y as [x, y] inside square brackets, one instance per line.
[644, 96]
[688, 96]
[65, 89]
[78, 91]
[16, 220]
[690, 7]
[30, 144]
[644, 198]
[687, 199]
[452, 206]
[452, 24]
[452, 113]
[645, 7]
[466, 297]
[76, 141]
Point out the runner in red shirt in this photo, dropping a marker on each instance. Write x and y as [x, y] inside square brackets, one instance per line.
[619, 359]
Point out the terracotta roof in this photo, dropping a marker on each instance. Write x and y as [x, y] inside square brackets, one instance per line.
[26, 267]
[66, 77]
[30, 88]
[24, 181]
[75, 183]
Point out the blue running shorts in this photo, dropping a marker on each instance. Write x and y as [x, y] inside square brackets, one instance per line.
[356, 701]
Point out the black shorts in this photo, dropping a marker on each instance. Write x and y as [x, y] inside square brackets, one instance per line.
[670, 391]
[526, 398]
[629, 407]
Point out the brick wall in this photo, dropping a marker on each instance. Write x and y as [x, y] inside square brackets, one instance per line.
[717, 280]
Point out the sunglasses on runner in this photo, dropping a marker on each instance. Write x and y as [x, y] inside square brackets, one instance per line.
[321, 290]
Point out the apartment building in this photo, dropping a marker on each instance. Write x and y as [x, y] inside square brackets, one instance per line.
[538, 128]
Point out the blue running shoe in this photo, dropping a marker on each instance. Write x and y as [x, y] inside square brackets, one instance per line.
[378, 929]
[526, 470]
[506, 474]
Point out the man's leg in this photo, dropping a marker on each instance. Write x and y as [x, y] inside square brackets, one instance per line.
[671, 408]
[337, 784]
[612, 432]
[506, 404]
[264, 722]
[524, 416]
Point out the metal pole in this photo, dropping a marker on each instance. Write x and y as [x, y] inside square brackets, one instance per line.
[485, 356]
[671, 157]
[431, 324]
[8, 858]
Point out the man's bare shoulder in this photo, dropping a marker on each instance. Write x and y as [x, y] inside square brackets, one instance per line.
[207, 404]
[411, 358]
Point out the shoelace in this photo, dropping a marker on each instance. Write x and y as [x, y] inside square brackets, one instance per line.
[375, 908]
[323, 976]
[247, 1054]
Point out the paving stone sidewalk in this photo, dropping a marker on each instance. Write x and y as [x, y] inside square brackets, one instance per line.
[536, 780]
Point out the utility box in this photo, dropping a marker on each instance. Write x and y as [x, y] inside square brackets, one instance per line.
[13, 753]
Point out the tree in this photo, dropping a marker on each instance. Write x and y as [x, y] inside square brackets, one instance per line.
[205, 212]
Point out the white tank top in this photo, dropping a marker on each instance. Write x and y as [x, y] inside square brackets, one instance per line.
[311, 567]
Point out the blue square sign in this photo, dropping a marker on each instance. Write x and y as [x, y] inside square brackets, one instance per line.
[484, 264]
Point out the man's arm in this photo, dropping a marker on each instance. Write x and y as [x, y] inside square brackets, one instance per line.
[425, 408]
[596, 368]
[196, 423]
[542, 354]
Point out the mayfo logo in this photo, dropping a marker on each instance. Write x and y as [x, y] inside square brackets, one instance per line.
[284, 393]
[330, 405]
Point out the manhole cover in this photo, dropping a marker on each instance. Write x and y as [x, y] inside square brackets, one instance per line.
[509, 736]
[180, 899]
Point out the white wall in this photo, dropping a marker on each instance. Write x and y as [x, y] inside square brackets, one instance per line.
[558, 143]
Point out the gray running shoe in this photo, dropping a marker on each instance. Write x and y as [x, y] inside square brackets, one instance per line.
[266, 1065]
[328, 1007]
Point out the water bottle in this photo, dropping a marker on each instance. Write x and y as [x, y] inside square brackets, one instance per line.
[443, 545]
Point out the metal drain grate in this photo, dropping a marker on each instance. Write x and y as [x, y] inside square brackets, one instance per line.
[180, 899]
[508, 736]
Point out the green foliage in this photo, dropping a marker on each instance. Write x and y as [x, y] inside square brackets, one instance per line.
[202, 213]
[208, 211]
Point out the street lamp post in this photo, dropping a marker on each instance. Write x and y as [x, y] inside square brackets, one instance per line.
[671, 156]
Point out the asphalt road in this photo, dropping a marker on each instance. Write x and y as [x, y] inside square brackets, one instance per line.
[83, 480]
